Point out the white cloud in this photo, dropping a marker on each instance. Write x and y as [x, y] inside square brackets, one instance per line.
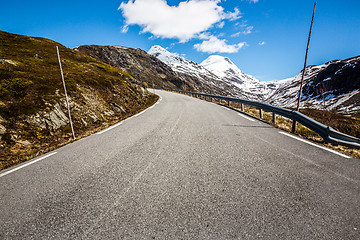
[220, 24]
[246, 31]
[232, 16]
[215, 45]
[182, 22]
[125, 29]
[261, 43]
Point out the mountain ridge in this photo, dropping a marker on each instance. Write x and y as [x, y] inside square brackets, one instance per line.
[336, 94]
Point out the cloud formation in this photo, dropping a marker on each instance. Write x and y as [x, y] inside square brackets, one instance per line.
[215, 45]
[246, 31]
[182, 22]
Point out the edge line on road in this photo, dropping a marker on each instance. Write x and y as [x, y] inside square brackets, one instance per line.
[246, 117]
[27, 164]
[316, 145]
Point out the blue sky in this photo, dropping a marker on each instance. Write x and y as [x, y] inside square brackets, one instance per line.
[264, 38]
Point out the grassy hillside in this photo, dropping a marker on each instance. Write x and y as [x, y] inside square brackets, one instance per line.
[31, 92]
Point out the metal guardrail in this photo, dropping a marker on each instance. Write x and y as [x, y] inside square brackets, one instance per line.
[329, 134]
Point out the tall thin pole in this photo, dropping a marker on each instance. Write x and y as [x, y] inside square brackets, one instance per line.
[306, 56]
[304, 69]
[66, 96]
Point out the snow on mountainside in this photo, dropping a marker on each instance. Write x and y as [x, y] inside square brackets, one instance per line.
[178, 63]
[334, 85]
[226, 70]
[216, 71]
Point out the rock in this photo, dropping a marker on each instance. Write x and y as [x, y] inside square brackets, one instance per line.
[117, 107]
[109, 113]
[36, 56]
[14, 137]
[25, 143]
[92, 116]
[3, 61]
[84, 122]
[2, 120]
[57, 118]
[2, 130]
[51, 121]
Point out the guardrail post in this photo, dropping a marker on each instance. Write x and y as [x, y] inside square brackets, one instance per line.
[293, 128]
[274, 118]
[327, 139]
[228, 103]
[261, 113]
[242, 107]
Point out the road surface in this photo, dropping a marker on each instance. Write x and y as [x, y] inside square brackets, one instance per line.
[183, 169]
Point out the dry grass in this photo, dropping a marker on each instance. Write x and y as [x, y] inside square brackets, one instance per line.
[30, 82]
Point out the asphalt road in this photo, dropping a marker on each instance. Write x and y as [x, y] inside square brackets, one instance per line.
[184, 169]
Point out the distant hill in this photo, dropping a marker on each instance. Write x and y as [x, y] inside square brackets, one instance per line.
[33, 115]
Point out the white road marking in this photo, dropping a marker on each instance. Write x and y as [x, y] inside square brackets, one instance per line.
[227, 108]
[316, 145]
[27, 164]
[246, 117]
[136, 115]
[109, 128]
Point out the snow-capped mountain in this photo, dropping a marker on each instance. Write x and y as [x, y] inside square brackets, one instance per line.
[226, 70]
[334, 85]
[180, 64]
[216, 71]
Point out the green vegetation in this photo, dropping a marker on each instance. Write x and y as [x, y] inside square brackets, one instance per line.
[30, 84]
[29, 71]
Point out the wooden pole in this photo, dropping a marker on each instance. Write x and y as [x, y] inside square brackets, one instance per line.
[66, 96]
[303, 72]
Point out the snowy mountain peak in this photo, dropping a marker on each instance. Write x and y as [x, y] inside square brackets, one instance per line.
[223, 67]
[158, 50]
[215, 70]
[167, 57]
[178, 63]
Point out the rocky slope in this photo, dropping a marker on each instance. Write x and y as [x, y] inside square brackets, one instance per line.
[332, 86]
[142, 66]
[33, 113]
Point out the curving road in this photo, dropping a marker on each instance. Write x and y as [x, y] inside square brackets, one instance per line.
[184, 169]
